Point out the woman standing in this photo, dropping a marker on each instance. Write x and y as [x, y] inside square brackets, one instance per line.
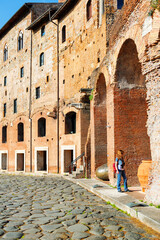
[120, 171]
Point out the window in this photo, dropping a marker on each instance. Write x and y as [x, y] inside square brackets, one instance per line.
[5, 52]
[4, 109]
[41, 127]
[37, 92]
[42, 31]
[20, 132]
[20, 41]
[64, 33]
[41, 60]
[89, 9]
[4, 134]
[5, 81]
[70, 123]
[120, 4]
[47, 79]
[15, 106]
[101, 11]
[22, 72]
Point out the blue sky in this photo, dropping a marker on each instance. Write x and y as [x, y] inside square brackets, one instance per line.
[9, 7]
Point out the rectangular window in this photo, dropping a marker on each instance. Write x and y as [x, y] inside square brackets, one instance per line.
[42, 31]
[15, 106]
[101, 11]
[4, 109]
[4, 134]
[37, 92]
[5, 81]
[89, 9]
[22, 72]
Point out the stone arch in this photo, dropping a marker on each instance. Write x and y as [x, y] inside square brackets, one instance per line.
[99, 115]
[128, 68]
[130, 110]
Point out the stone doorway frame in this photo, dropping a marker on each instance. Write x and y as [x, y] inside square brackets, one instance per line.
[1, 152]
[16, 152]
[41, 149]
[63, 148]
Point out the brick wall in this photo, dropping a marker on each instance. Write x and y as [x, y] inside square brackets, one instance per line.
[130, 129]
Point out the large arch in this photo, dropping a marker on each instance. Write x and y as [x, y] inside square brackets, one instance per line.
[130, 110]
[98, 125]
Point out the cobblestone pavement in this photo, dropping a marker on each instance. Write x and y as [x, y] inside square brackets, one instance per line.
[54, 208]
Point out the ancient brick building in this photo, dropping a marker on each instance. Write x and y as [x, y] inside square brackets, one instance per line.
[79, 80]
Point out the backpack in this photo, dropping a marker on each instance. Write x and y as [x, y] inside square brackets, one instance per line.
[114, 167]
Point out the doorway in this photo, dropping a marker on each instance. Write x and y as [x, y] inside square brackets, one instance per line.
[67, 158]
[4, 161]
[41, 159]
[20, 160]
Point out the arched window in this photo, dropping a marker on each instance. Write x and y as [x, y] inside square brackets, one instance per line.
[64, 33]
[70, 123]
[20, 41]
[41, 59]
[4, 134]
[20, 132]
[42, 127]
[5, 52]
[120, 4]
[89, 9]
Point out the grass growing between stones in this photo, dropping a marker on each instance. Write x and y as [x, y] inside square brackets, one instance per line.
[118, 209]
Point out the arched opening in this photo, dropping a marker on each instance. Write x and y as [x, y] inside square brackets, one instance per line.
[20, 132]
[89, 9]
[20, 41]
[41, 59]
[5, 57]
[42, 127]
[130, 110]
[70, 123]
[100, 122]
[64, 33]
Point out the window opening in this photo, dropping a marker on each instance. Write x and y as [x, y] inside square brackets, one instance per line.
[4, 109]
[5, 81]
[20, 132]
[42, 31]
[22, 72]
[4, 134]
[42, 127]
[120, 4]
[89, 9]
[15, 106]
[70, 123]
[41, 63]
[20, 41]
[37, 92]
[47, 79]
[101, 11]
[5, 52]
[64, 33]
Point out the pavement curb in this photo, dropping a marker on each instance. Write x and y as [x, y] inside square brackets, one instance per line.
[134, 213]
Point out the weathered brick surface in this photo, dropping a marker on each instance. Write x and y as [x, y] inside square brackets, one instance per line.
[130, 131]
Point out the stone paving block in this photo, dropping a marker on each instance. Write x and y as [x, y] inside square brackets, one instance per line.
[51, 227]
[13, 235]
[78, 228]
